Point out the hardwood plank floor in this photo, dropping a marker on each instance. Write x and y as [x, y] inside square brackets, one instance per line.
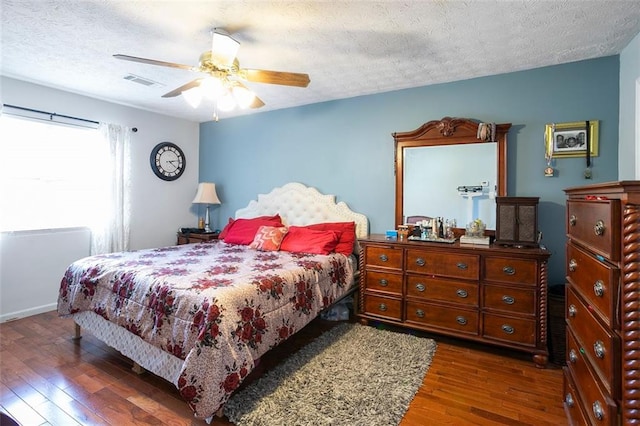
[48, 379]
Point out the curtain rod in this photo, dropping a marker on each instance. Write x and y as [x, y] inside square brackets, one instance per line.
[51, 114]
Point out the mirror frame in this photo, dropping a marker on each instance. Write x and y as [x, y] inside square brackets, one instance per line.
[448, 131]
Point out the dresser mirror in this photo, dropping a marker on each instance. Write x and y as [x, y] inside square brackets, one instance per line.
[444, 170]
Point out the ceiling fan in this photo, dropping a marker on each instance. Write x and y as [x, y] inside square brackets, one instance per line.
[224, 81]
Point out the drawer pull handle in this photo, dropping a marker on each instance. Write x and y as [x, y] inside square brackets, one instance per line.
[573, 310]
[382, 307]
[573, 356]
[383, 258]
[598, 229]
[420, 261]
[598, 411]
[598, 288]
[384, 283]
[509, 300]
[573, 220]
[462, 293]
[420, 287]
[573, 265]
[461, 320]
[569, 400]
[462, 266]
[420, 313]
[507, 328]
[598, 349]
[509, 270]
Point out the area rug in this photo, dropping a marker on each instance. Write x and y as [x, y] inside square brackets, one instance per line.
[350, 375]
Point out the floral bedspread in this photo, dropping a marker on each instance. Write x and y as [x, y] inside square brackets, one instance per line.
[216, 306]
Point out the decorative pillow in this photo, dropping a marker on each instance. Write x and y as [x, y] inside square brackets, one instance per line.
[300, 239]
[242, 231]
[346, 234]
[224, 231]
[268, 238]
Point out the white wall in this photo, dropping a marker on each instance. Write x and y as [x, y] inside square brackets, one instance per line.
[32, 265]
[629, 126]
[159, 208]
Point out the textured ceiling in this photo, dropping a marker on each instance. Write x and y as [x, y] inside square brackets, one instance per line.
[348, 48]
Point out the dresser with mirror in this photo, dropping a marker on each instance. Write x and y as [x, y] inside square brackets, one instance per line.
[492, 294]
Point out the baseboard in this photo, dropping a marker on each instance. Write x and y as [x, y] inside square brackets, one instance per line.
[11, 316]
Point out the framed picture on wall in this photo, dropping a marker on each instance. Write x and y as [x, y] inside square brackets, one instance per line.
[571, 139]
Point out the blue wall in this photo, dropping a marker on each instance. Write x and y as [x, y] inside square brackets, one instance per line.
[345, 147]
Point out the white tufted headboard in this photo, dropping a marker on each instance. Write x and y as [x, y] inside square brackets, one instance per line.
[300, 205]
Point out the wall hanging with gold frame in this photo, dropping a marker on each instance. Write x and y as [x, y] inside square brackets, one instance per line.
[571, 139]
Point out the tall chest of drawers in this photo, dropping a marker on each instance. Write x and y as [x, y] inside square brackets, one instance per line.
[490, 294]
[602, 375]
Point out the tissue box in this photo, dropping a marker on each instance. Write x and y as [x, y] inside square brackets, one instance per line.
[392, 234]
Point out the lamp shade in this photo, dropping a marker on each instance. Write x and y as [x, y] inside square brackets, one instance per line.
[206, 194]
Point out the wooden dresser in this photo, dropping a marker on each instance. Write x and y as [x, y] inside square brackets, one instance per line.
[490, 294]
[602, 376]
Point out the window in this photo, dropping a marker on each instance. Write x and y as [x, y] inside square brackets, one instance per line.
[53, 175]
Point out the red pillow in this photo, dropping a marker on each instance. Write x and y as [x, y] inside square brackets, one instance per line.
[224, 231]
[300, 239]
[346, 233]
[242, 231]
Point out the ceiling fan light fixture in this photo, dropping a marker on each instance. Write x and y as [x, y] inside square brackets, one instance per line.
[223, 47]
[226, 102]
[193, 96]
[243, 96]
[212, 87]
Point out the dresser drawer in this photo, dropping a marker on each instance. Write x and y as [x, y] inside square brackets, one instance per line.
[595, 401]
[383, 257]
[382, 306]
[593, 224]
[576, 359]
[596, 281]
[452, 265]
[447, 318]
[572, 403]
[383, 281]
[439, 289]
[506, 270]
[509, 299]
[600, 345]
[510, 329]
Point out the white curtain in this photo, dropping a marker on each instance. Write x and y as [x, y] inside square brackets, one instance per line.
[112, 235]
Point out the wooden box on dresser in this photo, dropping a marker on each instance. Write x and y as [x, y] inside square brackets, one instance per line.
[490, 294]
[602, 376]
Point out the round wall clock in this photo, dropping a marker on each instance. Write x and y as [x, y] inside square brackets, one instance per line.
[167, 161]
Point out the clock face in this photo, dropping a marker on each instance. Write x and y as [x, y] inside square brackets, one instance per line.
[167, 161]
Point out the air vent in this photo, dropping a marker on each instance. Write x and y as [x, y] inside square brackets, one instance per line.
[142, 80]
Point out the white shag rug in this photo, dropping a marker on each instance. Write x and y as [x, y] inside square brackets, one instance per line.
[350, 375]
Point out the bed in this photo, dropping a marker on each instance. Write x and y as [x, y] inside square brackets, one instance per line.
[202, 315]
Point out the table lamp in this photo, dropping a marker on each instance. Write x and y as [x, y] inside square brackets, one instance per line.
[206, 195]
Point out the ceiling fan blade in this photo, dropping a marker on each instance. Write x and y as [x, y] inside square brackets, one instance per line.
[257, 103]
[153, 62]
[275, 77]
[179, 90]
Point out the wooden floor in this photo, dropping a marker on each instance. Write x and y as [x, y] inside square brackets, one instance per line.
[48, 379]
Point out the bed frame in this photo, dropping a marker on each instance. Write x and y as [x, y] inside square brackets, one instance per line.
[296, 203]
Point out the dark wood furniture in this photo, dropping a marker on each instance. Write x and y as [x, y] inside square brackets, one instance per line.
[490, 294]
[447, 131]
[517, 221]
[187, 238]
[602, 376]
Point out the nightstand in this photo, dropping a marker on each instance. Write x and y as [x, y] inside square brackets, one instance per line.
[190, 238]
